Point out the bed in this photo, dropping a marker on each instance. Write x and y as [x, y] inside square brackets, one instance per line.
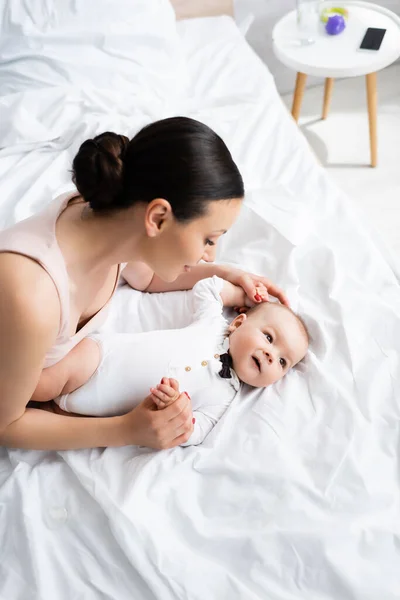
[295, 494]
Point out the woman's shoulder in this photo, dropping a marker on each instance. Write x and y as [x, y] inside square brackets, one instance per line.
[28, 291]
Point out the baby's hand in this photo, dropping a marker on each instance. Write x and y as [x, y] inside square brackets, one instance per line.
[261, 296]
[165, 393]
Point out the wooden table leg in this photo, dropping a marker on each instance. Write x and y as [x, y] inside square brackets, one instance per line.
[327, 96]
[301, 79]
[372, 116]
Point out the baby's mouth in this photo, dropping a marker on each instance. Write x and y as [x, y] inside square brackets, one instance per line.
[257, 363]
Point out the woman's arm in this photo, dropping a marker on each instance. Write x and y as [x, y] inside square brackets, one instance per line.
[28, 325]
[186, 281]
[140, 277]
[144, 426]
[248, 282]
[37, 429]
[28, 328]
[40, 429]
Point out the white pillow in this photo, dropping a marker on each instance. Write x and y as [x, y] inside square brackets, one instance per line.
[123, 45]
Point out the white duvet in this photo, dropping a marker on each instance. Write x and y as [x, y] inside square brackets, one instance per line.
[295, 493]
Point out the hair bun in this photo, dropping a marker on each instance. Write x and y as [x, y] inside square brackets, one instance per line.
[98, 169]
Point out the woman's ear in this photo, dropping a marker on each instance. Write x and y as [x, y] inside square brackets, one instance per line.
[158, 213]
[237, 322]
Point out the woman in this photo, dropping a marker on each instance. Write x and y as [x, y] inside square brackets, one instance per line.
[153, 206]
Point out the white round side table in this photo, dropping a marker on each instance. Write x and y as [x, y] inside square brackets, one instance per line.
[340, 55]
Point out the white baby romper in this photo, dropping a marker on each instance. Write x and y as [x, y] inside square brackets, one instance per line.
[132, 363]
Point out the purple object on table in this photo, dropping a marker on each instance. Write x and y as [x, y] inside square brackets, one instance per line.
[335, 25]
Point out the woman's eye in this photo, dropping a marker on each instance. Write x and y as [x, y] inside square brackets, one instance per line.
[209, 243]
[283, 362]
[269, 338]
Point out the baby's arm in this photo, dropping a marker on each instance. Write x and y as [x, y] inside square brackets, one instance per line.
[70, 373]
[233, 295]
[204, 420]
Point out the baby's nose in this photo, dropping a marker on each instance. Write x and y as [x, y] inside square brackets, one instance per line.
[269, 358]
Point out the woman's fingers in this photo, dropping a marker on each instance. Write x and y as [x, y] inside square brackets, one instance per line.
[254, 289]
[261, 292]
[274, 290]
[247, 284]
[184, 433]
[179, 410]
[183, 424]
[177, 422]
[260, 288]
[147, 425]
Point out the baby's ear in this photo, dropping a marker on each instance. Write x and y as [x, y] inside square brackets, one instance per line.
[237, 322]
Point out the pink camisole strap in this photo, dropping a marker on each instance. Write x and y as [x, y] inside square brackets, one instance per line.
[35, 237]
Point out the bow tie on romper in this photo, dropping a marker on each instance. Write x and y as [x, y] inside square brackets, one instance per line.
[227, 365]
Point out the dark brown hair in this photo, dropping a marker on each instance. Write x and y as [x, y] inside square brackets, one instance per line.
[178, 159]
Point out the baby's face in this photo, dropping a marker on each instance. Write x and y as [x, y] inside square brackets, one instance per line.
[265, 344]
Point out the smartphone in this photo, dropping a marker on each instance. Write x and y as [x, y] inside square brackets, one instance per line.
[372, 39]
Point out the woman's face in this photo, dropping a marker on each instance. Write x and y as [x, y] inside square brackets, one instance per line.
[174, 248]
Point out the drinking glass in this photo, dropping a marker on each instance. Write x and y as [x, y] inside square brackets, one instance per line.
[307, 20]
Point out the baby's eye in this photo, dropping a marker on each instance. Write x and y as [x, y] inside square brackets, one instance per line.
[283, 362]
[209, 243]
[269, 338]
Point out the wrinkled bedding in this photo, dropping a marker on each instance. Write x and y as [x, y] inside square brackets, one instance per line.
[295, 493]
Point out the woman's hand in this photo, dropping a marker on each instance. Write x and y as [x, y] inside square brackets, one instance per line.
[250, 282]
[147, 426]
[261, 292]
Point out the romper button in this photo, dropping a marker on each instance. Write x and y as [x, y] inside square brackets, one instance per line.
[188, 368]
[204, 363]
[216, 355]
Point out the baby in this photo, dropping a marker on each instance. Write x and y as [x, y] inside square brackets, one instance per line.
[209, 359]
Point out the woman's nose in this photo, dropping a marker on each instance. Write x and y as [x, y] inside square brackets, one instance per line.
[209, 254]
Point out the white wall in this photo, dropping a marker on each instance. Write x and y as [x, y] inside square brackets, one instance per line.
[267, 13]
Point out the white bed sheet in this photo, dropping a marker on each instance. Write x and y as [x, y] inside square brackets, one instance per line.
[295, 494]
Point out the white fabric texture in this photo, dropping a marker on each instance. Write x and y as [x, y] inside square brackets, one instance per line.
[132, 363]
[58, 59]
[295, 492]
[124, 45]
